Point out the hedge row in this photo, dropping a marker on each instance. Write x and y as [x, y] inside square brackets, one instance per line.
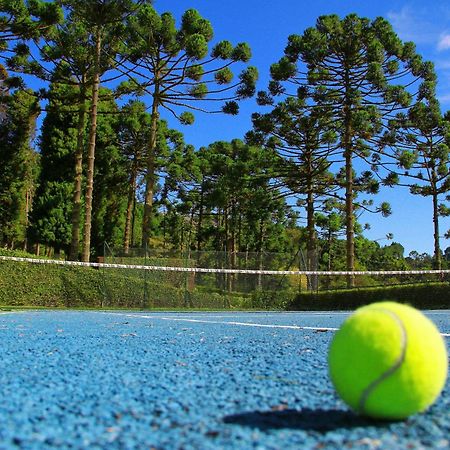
[423, 296]
[52, 286]
[24, 284]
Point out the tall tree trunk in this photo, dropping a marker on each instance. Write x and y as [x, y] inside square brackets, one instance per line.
[150, 178]
[349, 209]
[350, 220]
[311, 245]
[133, 220]
[259, 282]
[200, 219]
[130, 202]
[76, 200]
[27, 212]
[232, 245]
[239, 244]
[330, 249]
[437, 247]
[91, 150]
[191, 227]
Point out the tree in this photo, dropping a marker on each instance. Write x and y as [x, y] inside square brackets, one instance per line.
[174, 70]
[304, 141]
[105, 23]
[50, 222]
[18, 167]
[233, 189]
[69, 49]
[133, 130]
[22, 21]
[68, 57]
[421, 148]
[351, 65]
[170, 156]
[331, 224]
[110, 177]
[26, 19]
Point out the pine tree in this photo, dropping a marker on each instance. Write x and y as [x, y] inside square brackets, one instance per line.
[50, 219]
[18, 167]
[173, 68]
[352, 68]
[419, 145]
[304, 141]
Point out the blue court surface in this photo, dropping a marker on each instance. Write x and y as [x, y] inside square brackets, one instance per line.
[116, 380]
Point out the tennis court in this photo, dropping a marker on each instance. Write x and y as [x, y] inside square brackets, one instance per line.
[109, 379]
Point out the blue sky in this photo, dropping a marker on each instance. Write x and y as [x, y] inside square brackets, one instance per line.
[266, 24]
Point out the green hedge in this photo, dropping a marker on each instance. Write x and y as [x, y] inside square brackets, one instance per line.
[422, 296]
[24, 284]
[42, 285]
[53, 286]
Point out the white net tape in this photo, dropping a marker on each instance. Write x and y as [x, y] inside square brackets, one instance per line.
[222, 270]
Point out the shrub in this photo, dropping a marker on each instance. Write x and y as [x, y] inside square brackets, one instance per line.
[422, 296]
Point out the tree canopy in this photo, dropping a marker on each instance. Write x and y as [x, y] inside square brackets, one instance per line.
[96, 153]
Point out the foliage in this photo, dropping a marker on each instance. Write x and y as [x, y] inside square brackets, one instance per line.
[18, 167]
[51, 214]
[180, 76]
[422, 296]
[349, 108]
[422, 154]
[348, 67]
[229, 201]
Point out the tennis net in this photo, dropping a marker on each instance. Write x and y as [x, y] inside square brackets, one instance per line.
[44, 282]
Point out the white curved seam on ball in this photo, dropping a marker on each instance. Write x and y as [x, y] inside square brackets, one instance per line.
[369, 389]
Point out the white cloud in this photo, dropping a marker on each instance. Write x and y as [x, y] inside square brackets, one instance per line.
[442, 64]
[445, 98]
[413, 25]
[444, 42]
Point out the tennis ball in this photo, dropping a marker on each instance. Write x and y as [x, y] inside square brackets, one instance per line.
[388, 361]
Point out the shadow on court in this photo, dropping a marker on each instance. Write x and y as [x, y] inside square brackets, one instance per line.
[305, 419]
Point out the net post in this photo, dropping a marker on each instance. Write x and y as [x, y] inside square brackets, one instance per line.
[145, 293]
[185, 258]
[104, 296]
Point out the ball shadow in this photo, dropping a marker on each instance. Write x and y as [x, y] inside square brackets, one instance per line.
[304, 419]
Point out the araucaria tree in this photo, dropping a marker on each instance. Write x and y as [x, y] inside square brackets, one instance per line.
[421, 142]
[103, 24]
[18, 167]
[66, 61]
[359, 71]
[304, 141]
[50, 217]
[20, 19]
[80, 52]
[174, 69]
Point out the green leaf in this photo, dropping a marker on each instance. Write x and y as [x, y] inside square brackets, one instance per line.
[241, 52]
[230, 108]
[195, 72]
[187, 118]
[199, 91]
[224, 76]
[196, 46]
[222, 50]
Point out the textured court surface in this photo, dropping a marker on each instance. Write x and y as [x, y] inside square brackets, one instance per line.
[90, 380]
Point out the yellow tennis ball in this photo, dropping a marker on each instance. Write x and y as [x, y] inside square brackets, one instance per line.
[388, 361]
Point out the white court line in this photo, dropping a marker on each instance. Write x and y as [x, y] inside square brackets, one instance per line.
[267, 314]
[242, 324]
